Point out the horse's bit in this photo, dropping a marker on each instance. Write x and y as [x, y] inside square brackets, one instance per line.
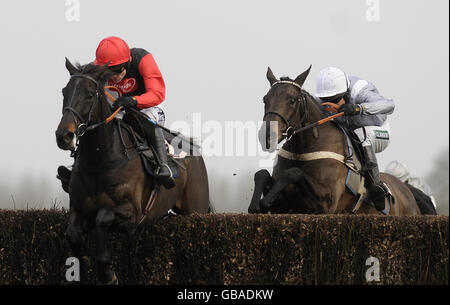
[289, 132]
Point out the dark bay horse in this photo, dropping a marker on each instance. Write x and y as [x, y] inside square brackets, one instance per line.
[310, 179]
[108, 187]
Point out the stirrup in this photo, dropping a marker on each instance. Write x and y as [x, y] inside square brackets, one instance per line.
[167, 181]
[381, 192]
[170, 171]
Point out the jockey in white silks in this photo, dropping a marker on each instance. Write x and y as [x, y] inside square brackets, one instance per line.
[401, 172]
[365, 112]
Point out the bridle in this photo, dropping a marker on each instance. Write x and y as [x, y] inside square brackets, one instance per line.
[84, 125]
[290, 129]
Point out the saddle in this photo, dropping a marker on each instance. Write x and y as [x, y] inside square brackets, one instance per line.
[145, 150]
[355, 182]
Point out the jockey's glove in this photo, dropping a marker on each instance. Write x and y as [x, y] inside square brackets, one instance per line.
[125, 102]
[350, 109]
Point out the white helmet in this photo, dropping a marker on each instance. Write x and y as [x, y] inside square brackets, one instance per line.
[331, 81]
[398, 170]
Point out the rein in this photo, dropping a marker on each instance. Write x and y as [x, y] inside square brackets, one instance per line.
[319, 122]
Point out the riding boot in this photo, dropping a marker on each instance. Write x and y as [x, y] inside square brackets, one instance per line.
[155, 136]
[64, 175]
[377, 189]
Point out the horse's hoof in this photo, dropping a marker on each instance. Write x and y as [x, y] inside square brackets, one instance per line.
[254, 210]
[113, 281]
[265, 205]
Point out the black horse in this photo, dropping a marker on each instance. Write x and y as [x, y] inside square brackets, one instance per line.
[109, 186]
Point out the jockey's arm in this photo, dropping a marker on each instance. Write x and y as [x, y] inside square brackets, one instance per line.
[373, 103]
[154, 83]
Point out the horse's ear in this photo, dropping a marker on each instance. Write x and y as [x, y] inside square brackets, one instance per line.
[300, 80]
[72, 69]
[270, 77]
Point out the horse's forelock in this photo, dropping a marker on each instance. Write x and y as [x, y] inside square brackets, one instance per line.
[286, 78]
[90, 68]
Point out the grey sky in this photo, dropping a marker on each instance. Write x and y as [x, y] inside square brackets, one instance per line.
[214, 56]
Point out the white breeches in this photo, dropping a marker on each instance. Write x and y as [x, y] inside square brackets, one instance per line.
[377, 136]
[155, 114]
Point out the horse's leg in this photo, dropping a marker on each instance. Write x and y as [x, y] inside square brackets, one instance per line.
[74, 233]
[104, 219]
[262, 179]
[293, 175]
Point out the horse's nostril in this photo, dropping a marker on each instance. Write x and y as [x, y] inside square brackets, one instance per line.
[68, 137]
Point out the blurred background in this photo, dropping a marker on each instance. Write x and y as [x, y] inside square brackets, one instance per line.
[214, 56]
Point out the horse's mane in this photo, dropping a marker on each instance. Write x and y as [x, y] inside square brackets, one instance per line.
[313, 99]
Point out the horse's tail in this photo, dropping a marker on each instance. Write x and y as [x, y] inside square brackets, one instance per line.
[424, 202]
[211, 208]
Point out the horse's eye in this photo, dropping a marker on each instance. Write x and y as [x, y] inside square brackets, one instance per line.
[292, 101]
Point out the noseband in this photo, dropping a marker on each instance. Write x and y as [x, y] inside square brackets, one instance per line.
[84, 125]
[289, 131]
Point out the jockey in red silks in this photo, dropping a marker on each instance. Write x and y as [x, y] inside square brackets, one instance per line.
[139, 81]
